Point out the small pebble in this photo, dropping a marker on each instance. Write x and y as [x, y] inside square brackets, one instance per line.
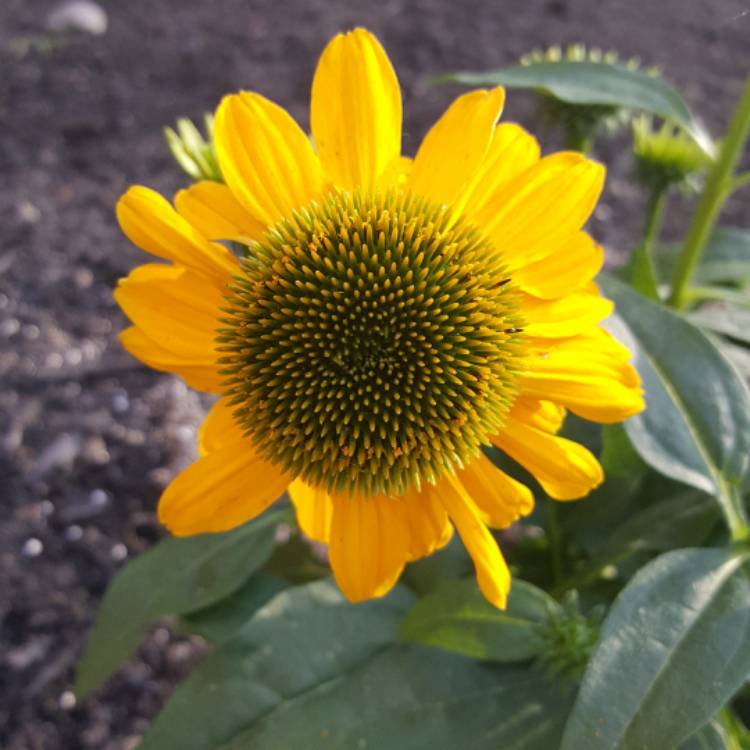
[73, 357]
[120, 402]
[28, 212]
[98, 497]
[32, 547]
[9, 327]
[84, 278]
[161, 636]
[95, 451]
[73, 533]
[67, 700]
[54, 361]
[118, 552]
[78, 15]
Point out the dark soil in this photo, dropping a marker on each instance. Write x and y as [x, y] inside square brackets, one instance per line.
[88, 437]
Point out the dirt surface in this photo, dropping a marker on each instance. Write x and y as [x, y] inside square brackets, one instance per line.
[87, 436]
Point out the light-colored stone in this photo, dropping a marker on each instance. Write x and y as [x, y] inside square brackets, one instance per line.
[78, 15]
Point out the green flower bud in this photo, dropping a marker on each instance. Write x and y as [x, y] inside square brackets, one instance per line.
[582, 122]
[667, 157]
[568, 639]
[194, 152]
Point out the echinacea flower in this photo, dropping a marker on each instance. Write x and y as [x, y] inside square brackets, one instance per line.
[387, 318]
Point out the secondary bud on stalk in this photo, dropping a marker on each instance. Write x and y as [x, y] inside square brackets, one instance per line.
[194, 152]
[582, 122]
[667, 157]
[568, 638]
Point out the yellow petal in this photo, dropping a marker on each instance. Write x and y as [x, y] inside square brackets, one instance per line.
[219, 428]
[214, 211]
[200, 374]
[369, 544]
[429, 526]
[512, 150]
[564, 317]
[355, 111]
[588, 374]
[454, 148]
[266, 159]
[492, 572]
[544, 415]
[220, 491]
[396, 174]
[565, 469]
[568, 265]
[175, 307]
[533, 212]
[314, 510]
[151, 223]
[500, 499]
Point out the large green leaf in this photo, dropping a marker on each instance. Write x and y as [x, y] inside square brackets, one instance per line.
[673, 650]
[407, 698]
[696, 427]
[312, 671]
[220, 621]
[175, 577]
[458, 618]
[304, 637]
[596, 83]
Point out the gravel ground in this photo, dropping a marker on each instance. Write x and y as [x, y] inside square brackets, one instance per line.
[87, 436]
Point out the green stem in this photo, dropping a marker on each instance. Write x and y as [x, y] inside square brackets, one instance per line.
[643, 272]
[712, 199]
[593, 573]
[554, 536]
[733, 506]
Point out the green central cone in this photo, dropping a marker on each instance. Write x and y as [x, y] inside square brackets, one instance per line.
[371, 343]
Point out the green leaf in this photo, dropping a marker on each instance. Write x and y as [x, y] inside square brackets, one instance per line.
[428, 573]
[723, 319]
[596, 83]
[304, 637]
[696, 426]
[177, 576]
[222, 620]
[739, 736]
[311, 670]
[618, 457]
[710, 737]
[407, 698]
[725, 259]
[673, 650]
[458, 618]
[682, 520]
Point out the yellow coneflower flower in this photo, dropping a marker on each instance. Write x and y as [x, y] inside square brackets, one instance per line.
[388, 318]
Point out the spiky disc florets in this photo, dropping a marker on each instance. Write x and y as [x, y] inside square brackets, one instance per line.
[371, 342]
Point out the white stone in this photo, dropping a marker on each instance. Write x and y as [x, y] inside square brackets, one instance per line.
[78, 15]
